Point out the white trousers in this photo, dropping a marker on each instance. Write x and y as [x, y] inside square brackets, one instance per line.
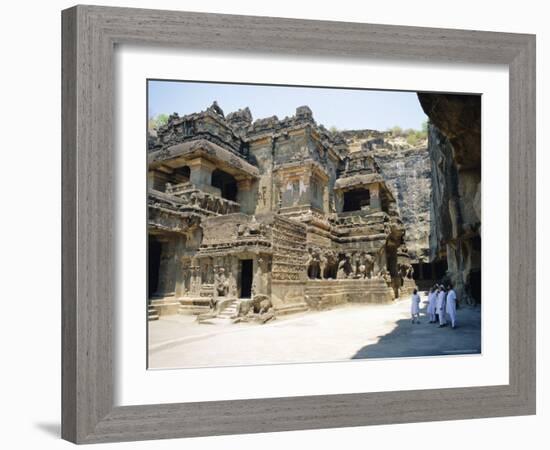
[452, 316]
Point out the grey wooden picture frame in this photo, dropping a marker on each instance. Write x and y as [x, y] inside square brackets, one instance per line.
[89, 37]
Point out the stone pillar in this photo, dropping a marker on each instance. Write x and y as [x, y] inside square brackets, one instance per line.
[201, 172]
[178, 267]
[233, 273]
[195, 283]
[244, 196]
[185, 277]
[374, 192]
[325, 198]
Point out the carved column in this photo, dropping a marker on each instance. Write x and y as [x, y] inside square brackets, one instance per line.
[244, 196]
[178, 266]
[185, 277]
[374, 192]
[233, 272]
[195, 282]
[201, 172]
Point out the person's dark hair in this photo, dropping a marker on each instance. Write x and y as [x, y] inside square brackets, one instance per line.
[415, 291]
[449, 286]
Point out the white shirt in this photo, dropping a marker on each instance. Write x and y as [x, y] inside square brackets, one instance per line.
[440, 306]
[415, 302]
[431, 302]
[451, 300]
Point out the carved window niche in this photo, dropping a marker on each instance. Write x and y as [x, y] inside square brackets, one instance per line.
[226, 183]
[356, 200]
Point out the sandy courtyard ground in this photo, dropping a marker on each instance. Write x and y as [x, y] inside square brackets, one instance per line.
[346, 332]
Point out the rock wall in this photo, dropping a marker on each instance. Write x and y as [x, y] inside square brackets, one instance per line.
[407, 171]
[454, 143]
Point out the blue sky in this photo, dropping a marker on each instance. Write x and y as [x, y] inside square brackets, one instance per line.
[342, 108]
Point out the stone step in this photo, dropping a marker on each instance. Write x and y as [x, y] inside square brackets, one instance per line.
[193, 305]
[192, 310]
[152, 313]
[218, 321]
[290, 309]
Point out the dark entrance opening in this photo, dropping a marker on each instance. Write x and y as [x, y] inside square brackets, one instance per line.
[225, 183]
[475, 285]
[182, 174]
[153, 260]
[422, 271]
[356, 199]
[246, 278]
[439, 269]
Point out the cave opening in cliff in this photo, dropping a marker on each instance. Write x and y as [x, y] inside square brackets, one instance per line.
[356, 199]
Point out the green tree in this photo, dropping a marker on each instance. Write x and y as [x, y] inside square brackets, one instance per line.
[157, 121]
[396, 130]
[425, 127]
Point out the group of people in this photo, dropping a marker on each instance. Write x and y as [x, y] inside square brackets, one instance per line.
[441, 302]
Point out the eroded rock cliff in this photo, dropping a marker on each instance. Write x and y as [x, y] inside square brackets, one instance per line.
[454, 143]
[407, 171]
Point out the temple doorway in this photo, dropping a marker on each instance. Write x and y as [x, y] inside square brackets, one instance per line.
[246, 278]
[154, 249]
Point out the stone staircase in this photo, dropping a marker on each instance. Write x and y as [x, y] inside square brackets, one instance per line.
[229, 311]
[152, 313]
[224, 316]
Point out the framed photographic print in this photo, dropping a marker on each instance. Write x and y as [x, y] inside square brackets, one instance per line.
[262, 234]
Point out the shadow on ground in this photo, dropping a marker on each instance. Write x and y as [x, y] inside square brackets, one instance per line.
[427, 339]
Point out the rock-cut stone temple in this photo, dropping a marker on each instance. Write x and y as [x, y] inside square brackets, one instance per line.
[269, 217]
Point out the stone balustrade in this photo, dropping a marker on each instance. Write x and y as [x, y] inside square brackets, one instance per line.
[192, 197]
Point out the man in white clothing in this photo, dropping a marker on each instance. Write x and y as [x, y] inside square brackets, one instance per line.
[450, 307]
[415, 307]
[440, 306]
[431, 303]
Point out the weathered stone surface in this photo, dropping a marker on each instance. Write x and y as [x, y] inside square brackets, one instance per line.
[407, 172]
[458, 117]
[259, 209]
[455, 153]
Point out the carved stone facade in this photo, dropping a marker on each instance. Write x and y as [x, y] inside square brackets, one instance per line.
[273, 215]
